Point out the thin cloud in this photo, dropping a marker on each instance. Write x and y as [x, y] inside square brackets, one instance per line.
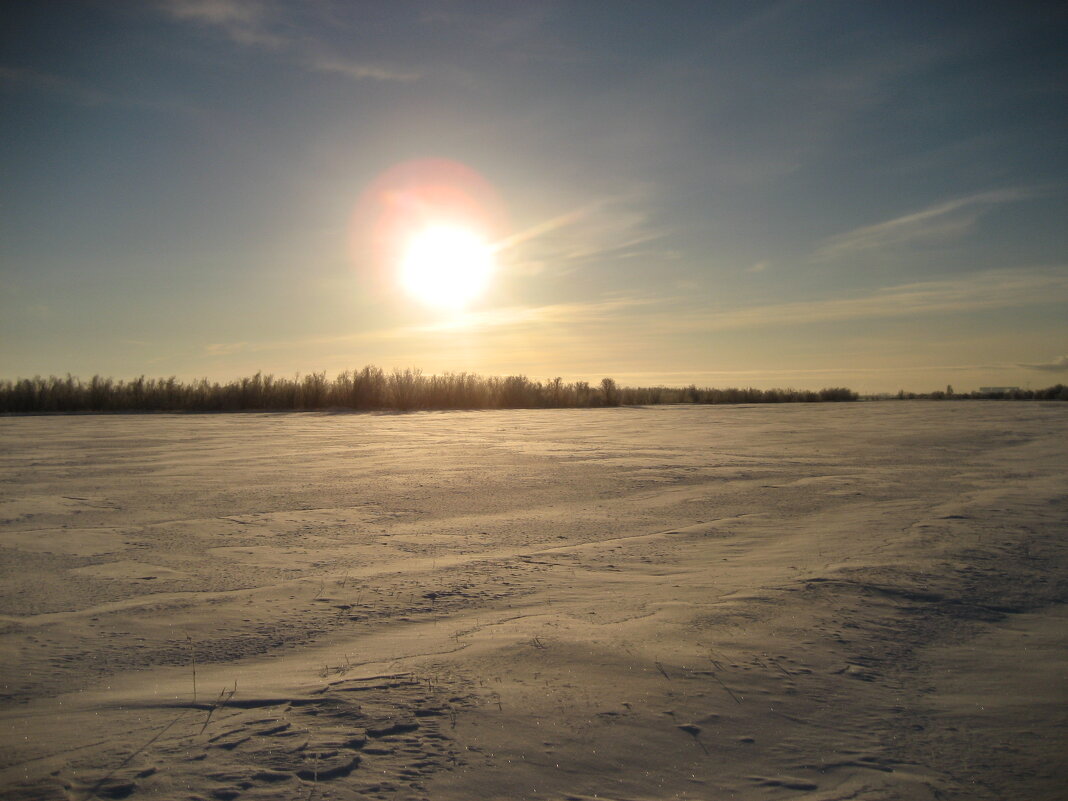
[359, 71]
[627, 249]
[1056, 366]
[251, 23]
[248, 13]
[945, 220]
[614, 227]
[225, 348]
[996, 289]
[243, 21]
[73, 91]
[642, 317]
[527, 316]
[986, 291]
[520, 318]
[19, 78]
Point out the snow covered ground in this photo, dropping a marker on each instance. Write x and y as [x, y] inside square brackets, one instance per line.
[822, 601]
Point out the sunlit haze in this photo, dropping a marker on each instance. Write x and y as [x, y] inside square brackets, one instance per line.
[767, 194]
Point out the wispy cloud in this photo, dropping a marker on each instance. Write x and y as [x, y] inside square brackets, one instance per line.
[611, 228]
[574, 314]
[255, 23]
[19, 78]
[515, 318]
[945, 220]
[996, 289]
[357, 70]
[1056, 366]
[651, 318]
[80, 93]
[225, 348]
[244, 21]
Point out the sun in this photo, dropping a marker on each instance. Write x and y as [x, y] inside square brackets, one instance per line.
[446, 266]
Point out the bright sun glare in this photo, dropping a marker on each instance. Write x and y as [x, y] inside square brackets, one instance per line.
[446, 266]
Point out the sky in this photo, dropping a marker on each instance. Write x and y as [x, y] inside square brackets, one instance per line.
[767, 194]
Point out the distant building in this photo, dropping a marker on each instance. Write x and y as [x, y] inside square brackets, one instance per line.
[993, 390]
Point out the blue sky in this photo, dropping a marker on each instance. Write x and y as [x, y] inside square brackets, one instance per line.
[770, 194]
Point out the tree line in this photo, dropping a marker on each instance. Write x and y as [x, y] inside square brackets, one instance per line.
[369, 389]
[1056, 392]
